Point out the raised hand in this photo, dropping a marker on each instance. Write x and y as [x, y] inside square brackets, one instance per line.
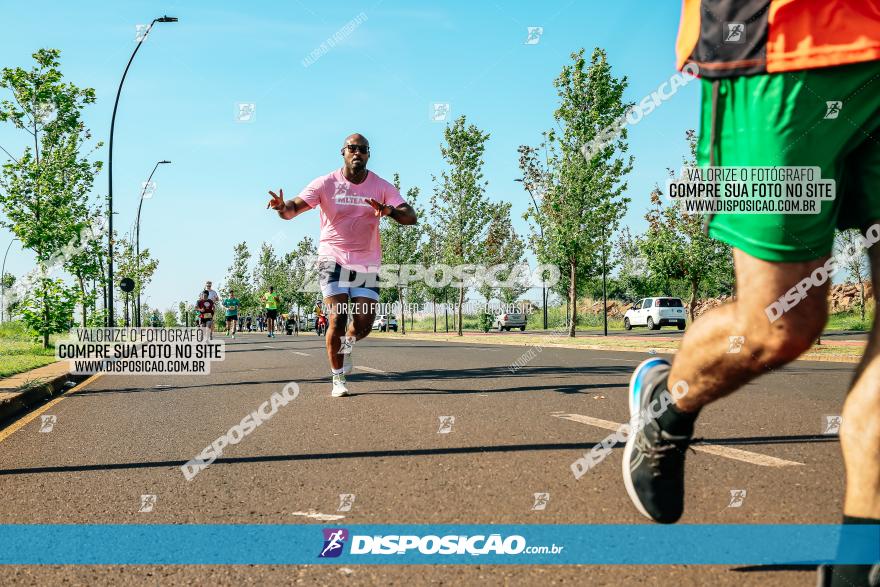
[380, 209]
[277, 201]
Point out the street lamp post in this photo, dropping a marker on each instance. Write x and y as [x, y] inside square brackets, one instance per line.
[137, 239]
[541, 230]
[604, 294]
[110, 318]
[3, 280]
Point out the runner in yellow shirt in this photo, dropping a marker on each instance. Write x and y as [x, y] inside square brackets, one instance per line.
[270, 298]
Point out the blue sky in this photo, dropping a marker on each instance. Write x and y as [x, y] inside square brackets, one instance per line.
[179, 103]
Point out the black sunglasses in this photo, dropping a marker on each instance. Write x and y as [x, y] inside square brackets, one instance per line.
[358, 148]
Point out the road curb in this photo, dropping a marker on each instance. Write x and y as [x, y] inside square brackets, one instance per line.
[35, 390]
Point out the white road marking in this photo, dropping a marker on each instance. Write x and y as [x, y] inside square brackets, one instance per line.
[301, 354]
[706, 447]
[270, 347]
[369, 369]
[318, 516]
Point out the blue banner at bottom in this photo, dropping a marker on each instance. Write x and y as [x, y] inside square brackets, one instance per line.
[438, 544]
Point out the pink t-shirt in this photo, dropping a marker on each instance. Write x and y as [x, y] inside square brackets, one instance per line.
[349, 225]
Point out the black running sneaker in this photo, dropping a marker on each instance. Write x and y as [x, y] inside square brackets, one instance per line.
[653, 461]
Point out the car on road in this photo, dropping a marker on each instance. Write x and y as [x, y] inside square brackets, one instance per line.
[385, 322]
[510, 320]
[654, 313]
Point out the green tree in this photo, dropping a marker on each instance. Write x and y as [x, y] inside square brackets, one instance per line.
[140, 268]
[169, 318]
[431, 253]
[268, 271]
[49, 309]
[676, 247]
[238, 278]
[537, 179]
[633, 277]
[503, 246]
[583, 200]
[459, 204]
[857, 267]
[183, 313]
[85, 262]
[301, 274]
[400, 245]
[491, 249]
[45, 190]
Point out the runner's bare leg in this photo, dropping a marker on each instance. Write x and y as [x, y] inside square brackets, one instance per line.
[362, 324]
[336, 323]
[860, 430]
[703, 361]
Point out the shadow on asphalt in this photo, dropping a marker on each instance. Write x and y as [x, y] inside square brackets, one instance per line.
[564, 389]
[774, 439]
[433, 375]
[312, 457]
[584, 446]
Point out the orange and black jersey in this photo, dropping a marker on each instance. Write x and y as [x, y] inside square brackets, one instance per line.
[728, 38]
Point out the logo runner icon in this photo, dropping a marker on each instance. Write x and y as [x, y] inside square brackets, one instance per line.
[334, 540]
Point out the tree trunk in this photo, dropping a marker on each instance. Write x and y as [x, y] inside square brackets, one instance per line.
[572, 298]
[103, 281]
[434, 306]
[862, 296]
[695, 285]
[82, 291]
[402, 311]
[460, 308]
[45, 317]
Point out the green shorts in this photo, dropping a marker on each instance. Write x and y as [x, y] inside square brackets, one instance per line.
[784, 119]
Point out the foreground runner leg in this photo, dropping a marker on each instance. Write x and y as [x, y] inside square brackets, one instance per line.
[653, 460]
[860, 442]
[774, 119]
[654, 457]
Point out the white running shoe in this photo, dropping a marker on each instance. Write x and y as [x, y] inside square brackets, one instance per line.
[339, 389]
[347, 363]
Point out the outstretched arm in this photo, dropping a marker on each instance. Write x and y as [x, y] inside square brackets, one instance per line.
[403, 214]
[288, 209]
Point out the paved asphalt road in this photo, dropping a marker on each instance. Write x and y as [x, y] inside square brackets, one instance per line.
[513, 436]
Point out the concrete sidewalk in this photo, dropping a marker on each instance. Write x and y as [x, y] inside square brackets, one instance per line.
[21, 391]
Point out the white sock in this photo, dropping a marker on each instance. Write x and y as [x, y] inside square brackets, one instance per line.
[336, 371]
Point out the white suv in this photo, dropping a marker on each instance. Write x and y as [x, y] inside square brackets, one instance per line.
[385, 322]
[654, 313]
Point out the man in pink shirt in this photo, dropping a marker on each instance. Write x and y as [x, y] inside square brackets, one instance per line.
[352, 200]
